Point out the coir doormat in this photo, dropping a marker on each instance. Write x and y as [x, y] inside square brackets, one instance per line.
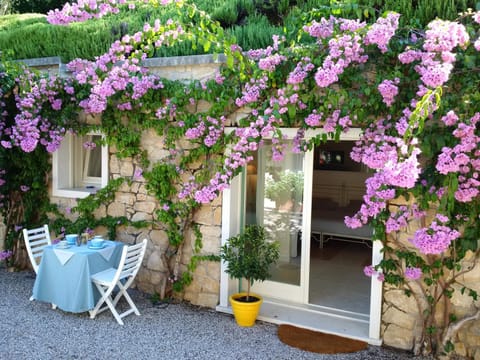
[318, 342]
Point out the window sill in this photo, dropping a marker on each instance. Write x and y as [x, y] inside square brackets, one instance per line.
[77, 193]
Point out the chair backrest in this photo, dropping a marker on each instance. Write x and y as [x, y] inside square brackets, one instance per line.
[35, 241]
[132, 257]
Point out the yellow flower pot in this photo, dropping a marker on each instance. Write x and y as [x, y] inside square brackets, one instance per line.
[245, 313]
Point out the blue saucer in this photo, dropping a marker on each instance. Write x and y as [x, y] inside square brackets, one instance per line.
[96, 247]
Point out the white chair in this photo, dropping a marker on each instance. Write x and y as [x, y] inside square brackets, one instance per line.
[122, 277]
[35, 241]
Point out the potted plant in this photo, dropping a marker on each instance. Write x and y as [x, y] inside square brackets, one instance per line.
[249, 256]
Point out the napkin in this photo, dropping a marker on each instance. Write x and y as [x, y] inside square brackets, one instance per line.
[63, 255]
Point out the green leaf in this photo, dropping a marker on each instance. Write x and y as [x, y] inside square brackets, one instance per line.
[230, 61]
[292, 111]
[206, 46]
[470, 61]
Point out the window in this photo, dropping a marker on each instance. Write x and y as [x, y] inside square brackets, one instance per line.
[78, 170]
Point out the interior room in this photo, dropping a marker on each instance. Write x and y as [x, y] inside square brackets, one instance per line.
[338, 254]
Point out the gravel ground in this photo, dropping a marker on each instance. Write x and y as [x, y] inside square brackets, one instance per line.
[32, 330]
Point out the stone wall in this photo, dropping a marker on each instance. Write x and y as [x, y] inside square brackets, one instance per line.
[401, 318]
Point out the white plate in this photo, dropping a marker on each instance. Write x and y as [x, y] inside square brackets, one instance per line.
[96, 247]
[63, 247]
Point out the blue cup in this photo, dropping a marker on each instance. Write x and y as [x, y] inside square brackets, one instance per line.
[71, 239]
[97, 242]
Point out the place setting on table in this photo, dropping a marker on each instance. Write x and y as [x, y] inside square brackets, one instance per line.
[64, 274]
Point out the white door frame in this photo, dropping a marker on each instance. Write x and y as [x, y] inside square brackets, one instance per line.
[232, 214]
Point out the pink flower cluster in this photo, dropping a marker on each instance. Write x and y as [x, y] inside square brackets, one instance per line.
[413, 273]
[268, 52]
[382, 31]
[345, 48]
[269, 63]
[476, 18]
[298, 75]
[83, 10]
[437, 58]
[396, 164]
[6, 254]
[370, 271]
[252, 91]
[464, 157]
[30, 128]
[436, 238]
[107, 79]
[389, 89]
[314, 119]
[399, 219]
[321, 30]
[210, 129]
[247, 141]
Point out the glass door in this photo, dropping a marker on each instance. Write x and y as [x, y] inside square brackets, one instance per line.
[275, 199]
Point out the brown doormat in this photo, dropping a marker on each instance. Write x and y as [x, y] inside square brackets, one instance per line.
[318, 342]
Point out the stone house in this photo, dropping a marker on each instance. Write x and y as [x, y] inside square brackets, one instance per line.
[319, 281]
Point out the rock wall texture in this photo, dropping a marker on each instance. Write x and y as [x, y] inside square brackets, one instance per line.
[401, 314]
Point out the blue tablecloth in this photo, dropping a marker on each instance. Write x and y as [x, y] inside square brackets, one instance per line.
[63, 277]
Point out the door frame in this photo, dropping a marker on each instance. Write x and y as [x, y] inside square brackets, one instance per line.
[233, 208]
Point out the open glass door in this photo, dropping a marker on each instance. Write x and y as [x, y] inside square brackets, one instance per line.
[274, 199]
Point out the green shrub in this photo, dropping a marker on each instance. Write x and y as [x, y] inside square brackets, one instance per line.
[252, 22]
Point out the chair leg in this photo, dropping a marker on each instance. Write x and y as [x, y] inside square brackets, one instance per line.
[96, 310]
[107, 299]
[123, 291]
[112, 303]
[113, 310]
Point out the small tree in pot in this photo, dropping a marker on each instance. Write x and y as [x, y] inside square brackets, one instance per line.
[249, 256]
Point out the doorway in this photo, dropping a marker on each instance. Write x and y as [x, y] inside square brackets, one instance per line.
[306, 288]
[338, 254]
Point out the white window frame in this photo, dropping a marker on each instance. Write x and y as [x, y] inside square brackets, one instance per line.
[67, 169]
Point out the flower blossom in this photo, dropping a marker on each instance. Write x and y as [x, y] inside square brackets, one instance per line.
[413, 273]
[434, 239]
[382, 31]
[389, 89]
[6, 254]
[137, 173]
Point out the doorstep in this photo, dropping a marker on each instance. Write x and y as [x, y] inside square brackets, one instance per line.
[333, 321]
